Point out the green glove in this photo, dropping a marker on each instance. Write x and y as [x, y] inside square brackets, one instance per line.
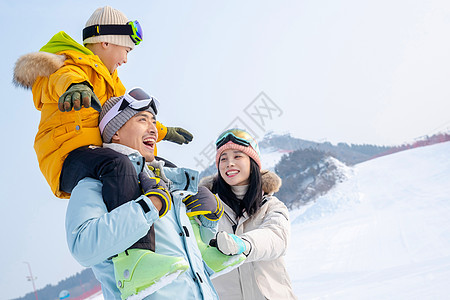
[178, 135]
[78, 95]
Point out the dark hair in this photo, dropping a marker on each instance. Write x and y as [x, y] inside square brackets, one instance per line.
[253, 197]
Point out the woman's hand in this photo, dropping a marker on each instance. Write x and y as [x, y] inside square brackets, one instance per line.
[231, 244]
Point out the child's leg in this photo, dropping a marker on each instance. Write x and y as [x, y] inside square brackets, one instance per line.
[137, 270]
[114, 170]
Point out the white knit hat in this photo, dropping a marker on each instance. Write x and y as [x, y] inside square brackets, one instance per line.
[109, 16]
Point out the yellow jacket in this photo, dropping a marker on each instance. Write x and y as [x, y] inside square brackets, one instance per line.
[60, 63]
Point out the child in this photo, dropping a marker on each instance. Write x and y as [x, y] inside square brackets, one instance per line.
[66, 75]
[256, 222]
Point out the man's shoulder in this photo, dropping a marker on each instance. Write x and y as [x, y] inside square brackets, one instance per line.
[181, 172]
[167, 163]
[88, 182]
[86, 188]
[182, 178]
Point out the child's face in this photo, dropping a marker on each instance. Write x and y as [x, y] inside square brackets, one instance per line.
[113, 56]
[234, 167]
[139, 133]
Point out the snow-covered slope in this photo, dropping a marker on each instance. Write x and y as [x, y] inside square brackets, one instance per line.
[271, 156]
[382, 234]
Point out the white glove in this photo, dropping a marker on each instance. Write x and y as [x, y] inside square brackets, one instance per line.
[230, 244]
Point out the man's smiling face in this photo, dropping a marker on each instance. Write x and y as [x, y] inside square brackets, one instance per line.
[139, 133]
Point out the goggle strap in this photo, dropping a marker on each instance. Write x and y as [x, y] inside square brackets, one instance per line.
[96, 30]
[126, 101]
[110, 115]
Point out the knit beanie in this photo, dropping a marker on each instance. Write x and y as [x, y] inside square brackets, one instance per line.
[253, 153]
[121, 117]
[108, 16]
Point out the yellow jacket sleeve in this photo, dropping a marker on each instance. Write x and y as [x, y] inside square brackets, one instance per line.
[162, 131]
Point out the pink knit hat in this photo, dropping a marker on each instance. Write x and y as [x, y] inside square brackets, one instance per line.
[245, 149]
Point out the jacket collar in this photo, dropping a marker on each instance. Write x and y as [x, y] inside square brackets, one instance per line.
[125, 150]
[178, 178]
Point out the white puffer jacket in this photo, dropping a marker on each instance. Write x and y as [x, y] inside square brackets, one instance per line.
[263, 275]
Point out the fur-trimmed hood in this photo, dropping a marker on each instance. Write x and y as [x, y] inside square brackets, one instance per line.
[271, 182]
[33, 65]
[45, 62]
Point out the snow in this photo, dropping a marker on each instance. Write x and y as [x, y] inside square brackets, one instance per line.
[96, 296]
[270, 157]
[382, 234]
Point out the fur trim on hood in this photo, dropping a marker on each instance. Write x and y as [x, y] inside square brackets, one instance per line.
[271, 182]
[31, 66]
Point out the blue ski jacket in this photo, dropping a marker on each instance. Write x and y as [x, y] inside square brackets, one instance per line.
[94, 235]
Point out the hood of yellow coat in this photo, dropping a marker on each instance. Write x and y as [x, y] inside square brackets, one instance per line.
[45, 62]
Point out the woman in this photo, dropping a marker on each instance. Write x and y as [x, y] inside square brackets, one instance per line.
[254, 223]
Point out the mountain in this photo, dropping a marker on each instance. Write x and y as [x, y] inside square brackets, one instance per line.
[274, 146]
[308, 169]
[384, 233]
[349, 154]
[78, 286]
[311, 172]
[307, 174]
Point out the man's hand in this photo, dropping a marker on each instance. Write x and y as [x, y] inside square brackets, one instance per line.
[204, 203]
[230, 244]
[178, 135]
[76, 96]
[155, 189]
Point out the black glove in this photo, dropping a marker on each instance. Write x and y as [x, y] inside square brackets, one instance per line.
[204, 203]
[77, 95]
[178, 135]
[153, 186]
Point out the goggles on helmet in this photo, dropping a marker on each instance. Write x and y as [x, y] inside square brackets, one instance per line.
[136, 99]
[132, 28]
[239, 137]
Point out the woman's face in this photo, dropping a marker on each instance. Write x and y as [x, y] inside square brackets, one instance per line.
[234, 167]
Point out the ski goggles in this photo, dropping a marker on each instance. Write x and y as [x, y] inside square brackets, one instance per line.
[239, 137]
[137, 99]
[132, 28]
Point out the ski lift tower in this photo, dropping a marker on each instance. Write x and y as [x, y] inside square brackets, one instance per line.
[31, 278]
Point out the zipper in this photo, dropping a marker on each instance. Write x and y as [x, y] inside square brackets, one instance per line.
[234, 226]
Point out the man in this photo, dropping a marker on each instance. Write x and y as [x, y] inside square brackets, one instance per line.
[95, 236]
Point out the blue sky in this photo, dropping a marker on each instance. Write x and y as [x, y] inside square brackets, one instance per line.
[344, 71]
